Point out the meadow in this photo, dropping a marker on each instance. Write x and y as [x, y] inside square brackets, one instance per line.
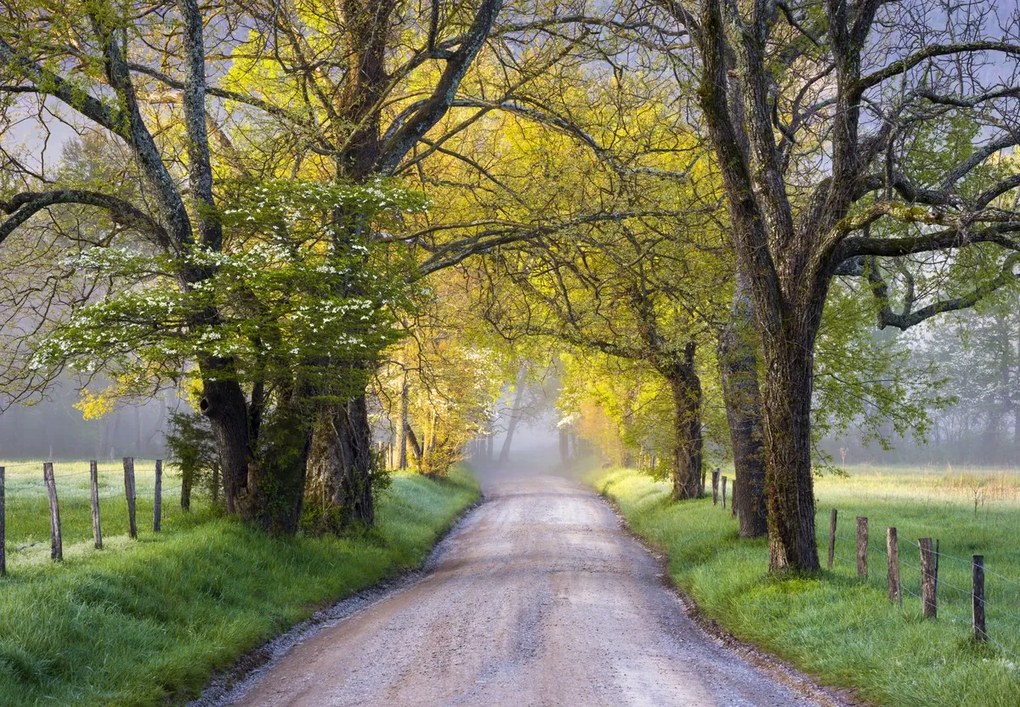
[147, 622]
[27, 507]
[843, 629]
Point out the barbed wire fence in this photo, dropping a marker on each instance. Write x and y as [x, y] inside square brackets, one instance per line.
[98, 498]
[863, 555]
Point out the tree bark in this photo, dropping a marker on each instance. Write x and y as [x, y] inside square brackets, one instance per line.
[687, 451]
[738, 369]
[224, 404]
[786, 394]
[402, 425]
[340, 466]
[276, 475]
[412, 439]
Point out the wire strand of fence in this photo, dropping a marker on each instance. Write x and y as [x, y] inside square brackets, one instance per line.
[1002, 647]
[845, 563]
[997, 575]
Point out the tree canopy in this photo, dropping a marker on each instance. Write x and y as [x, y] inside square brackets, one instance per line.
[351, 226]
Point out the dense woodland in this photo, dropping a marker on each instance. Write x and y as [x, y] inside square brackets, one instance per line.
[720, 230]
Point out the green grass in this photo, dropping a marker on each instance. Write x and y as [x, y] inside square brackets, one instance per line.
[147, 622]
[28, 519]
[845, 630]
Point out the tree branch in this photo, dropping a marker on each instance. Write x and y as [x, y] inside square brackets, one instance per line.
[26, 204]
[442, 97]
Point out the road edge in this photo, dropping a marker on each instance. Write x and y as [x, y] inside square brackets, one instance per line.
[229, 685]
[772, 665]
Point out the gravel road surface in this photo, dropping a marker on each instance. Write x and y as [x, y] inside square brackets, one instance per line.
[539, 597]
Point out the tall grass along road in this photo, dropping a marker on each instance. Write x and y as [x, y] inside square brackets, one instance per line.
[844, 628]
[540, 598]
[146, 622]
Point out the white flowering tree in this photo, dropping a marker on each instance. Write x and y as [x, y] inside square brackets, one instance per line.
[282, 318]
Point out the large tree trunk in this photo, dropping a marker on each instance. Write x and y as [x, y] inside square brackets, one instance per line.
[786, 394]
[223, 402]
[276, 477]
[738, 369]
[340, 466]
[687, 452]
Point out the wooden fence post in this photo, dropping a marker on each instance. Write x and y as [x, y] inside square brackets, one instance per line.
[97, 527]
[832, 537]
[928, 579]
[56, 542]
[733, 499]
[724, 492]
[715, 486]
[3, 525]
[862, 547]
[129, 494]
[157, 504]
[978, 593]
[892, 549]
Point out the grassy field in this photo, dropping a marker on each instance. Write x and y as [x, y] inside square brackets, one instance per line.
[841, 628]
[28, 520]
[147, 622]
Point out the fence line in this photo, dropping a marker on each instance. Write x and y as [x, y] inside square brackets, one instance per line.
[42, 493]
[905, 570]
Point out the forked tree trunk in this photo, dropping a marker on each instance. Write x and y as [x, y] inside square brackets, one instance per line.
[786, 394]
[340, 466]
[738, 369]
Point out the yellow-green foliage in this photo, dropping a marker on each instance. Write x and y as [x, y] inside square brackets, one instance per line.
[838, 627]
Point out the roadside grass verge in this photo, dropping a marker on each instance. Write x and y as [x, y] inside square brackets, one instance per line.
[840, 628]
[148, 622]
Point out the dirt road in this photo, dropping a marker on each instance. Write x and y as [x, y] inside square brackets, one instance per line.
[538, 598]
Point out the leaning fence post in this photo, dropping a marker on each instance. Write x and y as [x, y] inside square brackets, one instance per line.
[832, 537]
[862, 547]
[928, 575]
[157, 504]
[56, 542]
[892, 549]
[715, 486]
[978, 567]
[129, 494]
[3, 526]
[97, 527]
